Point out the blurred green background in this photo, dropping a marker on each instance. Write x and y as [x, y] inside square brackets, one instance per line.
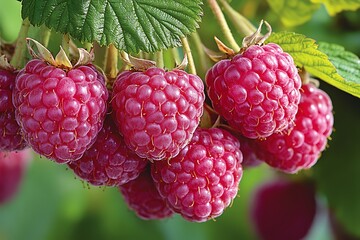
[52, 204]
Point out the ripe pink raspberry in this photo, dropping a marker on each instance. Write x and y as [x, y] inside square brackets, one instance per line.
[203, 179]
[257, 91]
[142, 197]
[10, 135]
[108, 162]
[157, 111]
[282, 209]
[12, 169]
[300, 147]
[60, 112]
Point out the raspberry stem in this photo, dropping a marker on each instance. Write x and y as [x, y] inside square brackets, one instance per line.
[241, 23]
[187, 52]
[175, 54]
[125, 59]
[45, 34]
[159, 59]
[204, 64]
[20, 49]
[223, 24]
[66, 44]
[111, 62]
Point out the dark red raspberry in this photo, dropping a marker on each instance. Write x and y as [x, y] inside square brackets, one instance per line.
[10, 135]
[282, 209]
[142, 197]
[300, 146]
[12, 169]
[257, 91]
[203, 179]
[157, 111]
[60, 112]
[109, 161]
[249, 149]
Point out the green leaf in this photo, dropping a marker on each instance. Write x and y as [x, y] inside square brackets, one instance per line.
[306, 54]
[346, 63]
[131, 25]
[335, 6]
[293, 13]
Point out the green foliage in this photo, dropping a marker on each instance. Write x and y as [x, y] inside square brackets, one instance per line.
[10, 20]
[335, 6]
[293, 13]
[347, 64]
[307, 55]
[131, 25]
[337, 172]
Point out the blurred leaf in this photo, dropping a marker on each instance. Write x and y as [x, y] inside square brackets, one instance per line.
[35, 209]
[346, 63]
[337, 172]
[148, 25]
[306, 54]
[10, 20]
[335, 6]
[293, 13]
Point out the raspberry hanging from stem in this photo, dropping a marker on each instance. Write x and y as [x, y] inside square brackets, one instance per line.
[110, 65]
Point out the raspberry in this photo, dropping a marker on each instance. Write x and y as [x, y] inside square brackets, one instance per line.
[60, 112]
[108, 162]
[156, 111]
[203, 179]
[300, 147]
[12, 168]
[249, 149]
[142, 197]
[282, 209]
[257, 91]
[10, 136]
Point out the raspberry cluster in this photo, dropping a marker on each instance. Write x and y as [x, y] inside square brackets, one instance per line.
[279, 120]
[143, 134]
[301, 145]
